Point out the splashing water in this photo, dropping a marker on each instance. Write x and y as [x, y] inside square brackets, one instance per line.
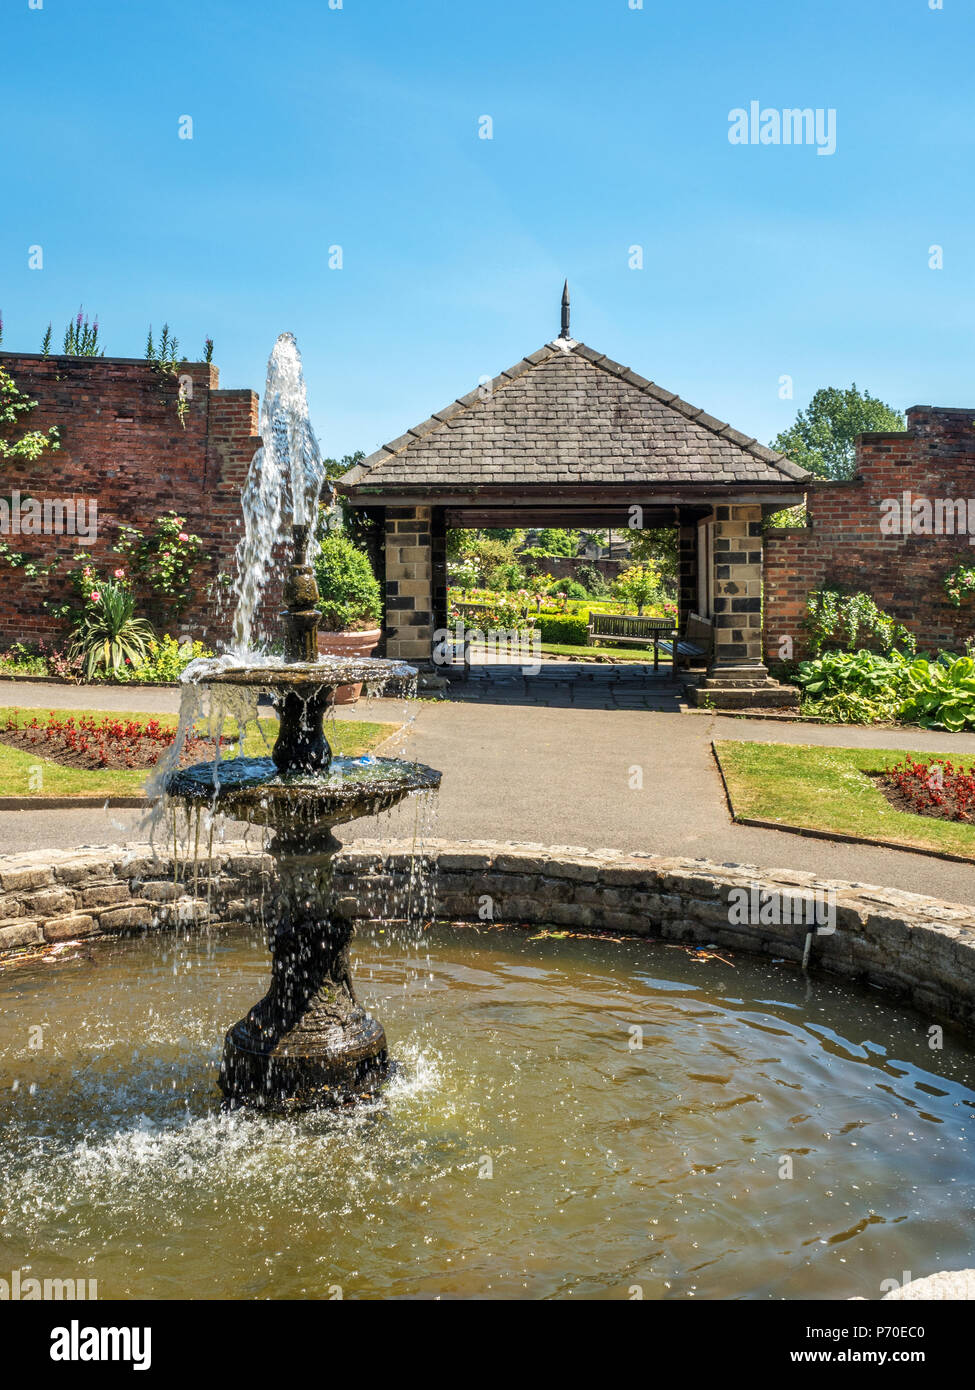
[283, 485]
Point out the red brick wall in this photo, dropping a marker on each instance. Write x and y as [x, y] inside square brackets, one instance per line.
[122, 443]
[843, 542]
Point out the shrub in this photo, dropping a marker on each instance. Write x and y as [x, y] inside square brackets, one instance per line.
[108, 636]
[564, 629]
[853, 687]
[349, 593]
[863, 672]
[941, 693]
[864, 688]
[834, 619]
[570, 587]
[592, 580]
[165, 661]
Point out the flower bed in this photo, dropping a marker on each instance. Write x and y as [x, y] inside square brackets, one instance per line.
[935, 788]
[86, 742]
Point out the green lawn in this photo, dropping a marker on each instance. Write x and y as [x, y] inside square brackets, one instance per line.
[18, 767]
[830, 789]
[618, 653]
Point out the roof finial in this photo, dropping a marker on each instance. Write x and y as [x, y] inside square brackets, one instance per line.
[565, 311]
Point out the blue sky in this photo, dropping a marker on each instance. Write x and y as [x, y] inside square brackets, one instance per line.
[358, 127]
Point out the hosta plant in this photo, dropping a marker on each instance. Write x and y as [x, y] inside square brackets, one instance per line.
[941, 694]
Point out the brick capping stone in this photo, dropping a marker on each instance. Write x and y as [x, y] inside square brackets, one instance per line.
[920, 948]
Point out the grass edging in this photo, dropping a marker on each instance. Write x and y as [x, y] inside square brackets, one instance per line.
[835, 836]
[354, 737]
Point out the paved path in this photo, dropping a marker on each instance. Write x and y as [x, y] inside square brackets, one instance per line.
[561, 776]
[575, 684]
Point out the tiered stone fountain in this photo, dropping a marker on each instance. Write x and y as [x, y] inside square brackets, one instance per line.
[308, 1042]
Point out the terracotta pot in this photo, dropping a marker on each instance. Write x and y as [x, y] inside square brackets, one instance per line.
[349, 644]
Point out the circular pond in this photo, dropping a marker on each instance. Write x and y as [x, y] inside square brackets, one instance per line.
[569, 1118]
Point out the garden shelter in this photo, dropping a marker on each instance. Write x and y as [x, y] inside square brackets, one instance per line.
[567, 437]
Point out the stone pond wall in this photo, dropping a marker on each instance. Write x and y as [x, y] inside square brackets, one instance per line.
[919, 948]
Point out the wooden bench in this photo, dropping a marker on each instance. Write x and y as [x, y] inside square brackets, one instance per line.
[625, 629]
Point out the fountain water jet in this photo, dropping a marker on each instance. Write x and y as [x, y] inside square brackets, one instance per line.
[308, 1041]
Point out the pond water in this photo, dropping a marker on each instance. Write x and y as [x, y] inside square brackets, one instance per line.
[525, 1148]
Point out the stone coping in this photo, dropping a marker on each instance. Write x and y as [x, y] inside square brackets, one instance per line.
[918, 948]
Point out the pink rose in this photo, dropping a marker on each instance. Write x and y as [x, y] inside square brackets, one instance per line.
[120, 574]
[95, 596]
[183, 536]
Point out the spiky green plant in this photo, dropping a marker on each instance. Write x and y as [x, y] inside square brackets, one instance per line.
[109, 636]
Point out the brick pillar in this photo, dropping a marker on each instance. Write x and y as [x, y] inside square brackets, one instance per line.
[409, 584]
[738, 588]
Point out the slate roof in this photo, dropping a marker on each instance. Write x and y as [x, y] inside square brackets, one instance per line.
[568, 415]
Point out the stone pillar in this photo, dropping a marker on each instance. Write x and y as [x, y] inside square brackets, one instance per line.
[687, 562]
[738, 587]
[409, 584]
[737, 678]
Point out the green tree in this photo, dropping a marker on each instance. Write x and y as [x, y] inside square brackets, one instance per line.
[334, 468]
[639, 585]
[495, 563]
[14, 404]
[553, 540]
[503, 533]
[823, 436]
[659, 546]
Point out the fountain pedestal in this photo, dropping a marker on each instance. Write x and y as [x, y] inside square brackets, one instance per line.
[307, 1042]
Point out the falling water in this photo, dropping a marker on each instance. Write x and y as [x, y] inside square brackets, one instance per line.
[283, 485]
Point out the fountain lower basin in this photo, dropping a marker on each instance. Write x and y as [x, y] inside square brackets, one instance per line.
[307, 1042]
[252, 789]
[120, 1163]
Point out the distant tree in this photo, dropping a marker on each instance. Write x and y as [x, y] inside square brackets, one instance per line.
[334, 468]
[639, 585]
[823, 437]
[334, 512]
[659, 546]
[553, 540]
[503, 533]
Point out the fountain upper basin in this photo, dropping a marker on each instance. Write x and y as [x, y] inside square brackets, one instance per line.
[328, 673]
